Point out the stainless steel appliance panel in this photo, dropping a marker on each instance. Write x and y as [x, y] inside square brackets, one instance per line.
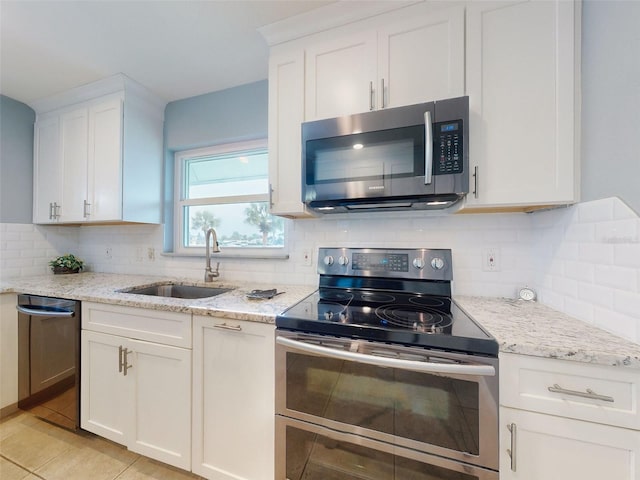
[434, 402]
[411, 157]
[48, 358]
[312, 452]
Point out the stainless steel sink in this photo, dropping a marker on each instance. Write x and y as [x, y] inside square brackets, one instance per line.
[178, 291]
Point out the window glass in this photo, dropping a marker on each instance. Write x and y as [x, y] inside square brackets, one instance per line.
[226, 188]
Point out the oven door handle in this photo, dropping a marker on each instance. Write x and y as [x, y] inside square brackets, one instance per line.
[425, 367]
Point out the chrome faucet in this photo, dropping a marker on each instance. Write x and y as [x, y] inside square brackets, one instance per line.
[209, 274]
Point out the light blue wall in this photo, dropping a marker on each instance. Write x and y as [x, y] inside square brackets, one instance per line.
[610, 147]
[16, 161]
[232, 115]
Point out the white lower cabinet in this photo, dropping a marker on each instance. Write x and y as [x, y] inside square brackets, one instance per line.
[564, 420]
[546, 447]
[233, 399]
[137, 393]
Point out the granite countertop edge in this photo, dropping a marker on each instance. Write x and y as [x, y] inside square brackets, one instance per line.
[108, 288]
[534, 329]
[525, 328]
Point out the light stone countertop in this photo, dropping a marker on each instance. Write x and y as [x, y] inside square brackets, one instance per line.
[106, 288]
[526, 328]
[530, 328]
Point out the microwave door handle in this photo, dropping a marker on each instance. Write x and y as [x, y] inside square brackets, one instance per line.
[428, 148]
[424, 367]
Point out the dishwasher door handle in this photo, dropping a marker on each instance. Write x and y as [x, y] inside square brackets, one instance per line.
[43, 312]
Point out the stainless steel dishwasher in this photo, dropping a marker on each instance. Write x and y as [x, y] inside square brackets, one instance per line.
[49, 358]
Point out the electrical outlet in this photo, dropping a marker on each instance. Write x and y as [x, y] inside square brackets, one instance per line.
[108, 253]
[491, 260]
[306, 258]
[151, 254]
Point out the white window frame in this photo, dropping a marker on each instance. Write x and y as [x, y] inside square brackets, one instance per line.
[180, 202]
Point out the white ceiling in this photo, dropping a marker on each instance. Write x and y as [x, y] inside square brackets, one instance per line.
[177, 49]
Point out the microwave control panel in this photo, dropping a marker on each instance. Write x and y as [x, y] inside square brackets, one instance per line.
[447, 147]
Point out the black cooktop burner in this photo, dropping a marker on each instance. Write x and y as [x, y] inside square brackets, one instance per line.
[389, 316]
[414, 317]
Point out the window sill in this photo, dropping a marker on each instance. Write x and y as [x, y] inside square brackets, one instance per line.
[216, 256]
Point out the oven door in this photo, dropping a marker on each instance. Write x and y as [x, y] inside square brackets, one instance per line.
[311, 452]
[435, 402]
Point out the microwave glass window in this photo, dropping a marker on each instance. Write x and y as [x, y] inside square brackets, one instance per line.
[418, 406]
[391, 153]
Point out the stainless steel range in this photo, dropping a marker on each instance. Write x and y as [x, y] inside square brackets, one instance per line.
[380, 375]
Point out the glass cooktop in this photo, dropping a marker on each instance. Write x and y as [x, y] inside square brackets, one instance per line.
[389, 316]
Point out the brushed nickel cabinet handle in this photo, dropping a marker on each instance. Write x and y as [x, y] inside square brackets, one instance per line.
[371, 103]
[125, 361]
[224, 326]
[382, 104]
[475, 181]
[120, 359]
[587, 394]
[512, 451]
[87, 209]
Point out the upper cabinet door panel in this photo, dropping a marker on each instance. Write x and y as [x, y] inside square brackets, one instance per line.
[341, 77]
[521, 61]
[73, 126]
[105, 157]
[422, 59]
[47, 170]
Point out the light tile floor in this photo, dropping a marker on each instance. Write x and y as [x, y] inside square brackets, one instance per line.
[32, 449]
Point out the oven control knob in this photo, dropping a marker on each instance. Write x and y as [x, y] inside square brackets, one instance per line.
[328, 260]
[437, 263]
[342, 260]
[418, 263]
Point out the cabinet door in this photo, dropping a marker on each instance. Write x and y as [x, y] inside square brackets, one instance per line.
[105, 396]
[233, 399]
[73, 128]
[340, 77]
[422, 59]
[521, 60]
[555, 448]
[161, 401]
[286, 113]
[47, 185]
[104, 161]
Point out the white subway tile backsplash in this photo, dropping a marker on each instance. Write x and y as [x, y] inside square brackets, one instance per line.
[620, 324]
[583, 260]
[627, 255]
[580, 271]
[595, 212]
[616, 277]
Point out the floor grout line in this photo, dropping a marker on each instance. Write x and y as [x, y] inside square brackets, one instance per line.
[30, 472]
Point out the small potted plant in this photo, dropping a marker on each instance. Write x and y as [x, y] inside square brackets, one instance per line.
[66, 264]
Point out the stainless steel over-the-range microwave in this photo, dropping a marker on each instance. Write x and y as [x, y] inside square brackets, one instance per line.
[413, 157]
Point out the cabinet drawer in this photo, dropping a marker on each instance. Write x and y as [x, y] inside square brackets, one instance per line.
[168, 328]
[594, 393]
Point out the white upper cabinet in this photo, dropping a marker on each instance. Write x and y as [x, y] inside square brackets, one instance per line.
[402, 62]
[521, 63]
[104, 172]
[341, 76]
[47, 170]
[105, 163]
[517, 61]
[286, 114]
[73, 127]
[421, 59]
